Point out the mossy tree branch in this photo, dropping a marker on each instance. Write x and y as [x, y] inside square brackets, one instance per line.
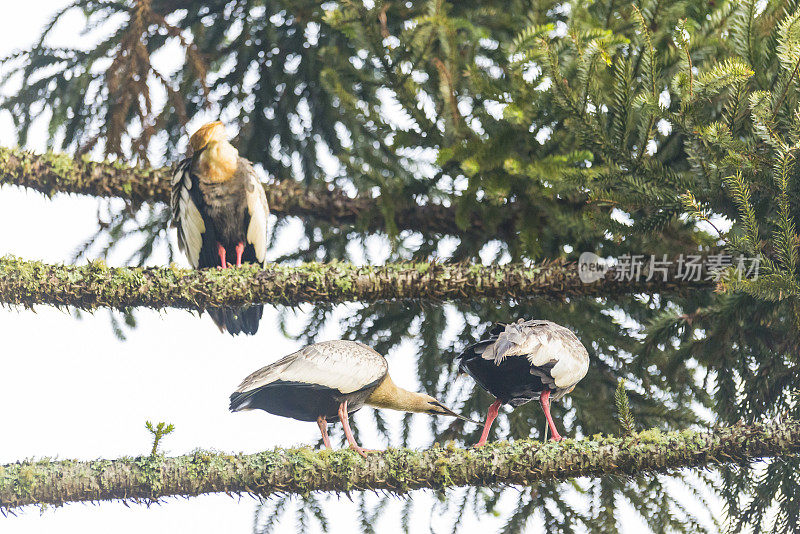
[302, 470]
[56, 173]
[96, 285]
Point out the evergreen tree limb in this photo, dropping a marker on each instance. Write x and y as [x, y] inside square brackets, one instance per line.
[58, 173]
[525, 462]
[96, 285]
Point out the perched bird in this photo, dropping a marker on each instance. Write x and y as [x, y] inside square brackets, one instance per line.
[220, 210]
[328, 381]
[524, 361]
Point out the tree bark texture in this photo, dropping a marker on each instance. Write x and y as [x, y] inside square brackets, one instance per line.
[96, 285]
[57, 173]
[524, 462]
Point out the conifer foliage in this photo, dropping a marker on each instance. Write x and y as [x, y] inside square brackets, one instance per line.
[658, 127]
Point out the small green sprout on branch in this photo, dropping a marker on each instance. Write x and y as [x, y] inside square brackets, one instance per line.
[302, 471]
[624, 409]
[159, 431]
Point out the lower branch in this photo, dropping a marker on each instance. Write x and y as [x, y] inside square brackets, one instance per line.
[96, 285]
[302, 470]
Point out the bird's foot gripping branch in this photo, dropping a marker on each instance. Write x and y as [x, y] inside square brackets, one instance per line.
[301, 471]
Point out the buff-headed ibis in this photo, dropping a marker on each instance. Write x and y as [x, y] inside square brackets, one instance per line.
[327, 381]
[220, 210]
[524, 361]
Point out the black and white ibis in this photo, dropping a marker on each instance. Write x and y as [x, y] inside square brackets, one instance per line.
[327, 381]
[220, 210]
[524, 361]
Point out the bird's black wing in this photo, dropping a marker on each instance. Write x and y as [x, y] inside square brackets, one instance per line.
[196, 233]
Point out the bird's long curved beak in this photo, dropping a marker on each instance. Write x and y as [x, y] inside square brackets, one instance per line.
[448, 411]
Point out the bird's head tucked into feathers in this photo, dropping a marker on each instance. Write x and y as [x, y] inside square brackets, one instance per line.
[213, 131]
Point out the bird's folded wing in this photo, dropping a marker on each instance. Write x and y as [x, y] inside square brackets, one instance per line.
[518, 339]
[570, 370]
[185, 215]
[547, 346]
[258, 210]
[346, 366]
[552, 344]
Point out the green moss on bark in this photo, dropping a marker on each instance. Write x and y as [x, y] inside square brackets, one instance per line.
[302, 470]
[27, 283]
[57, 173]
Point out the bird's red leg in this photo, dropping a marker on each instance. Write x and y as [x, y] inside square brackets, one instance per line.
[221, 252]
[545, 400]
[490, 416]
[343, 417]
[323, 427]
[239, 252]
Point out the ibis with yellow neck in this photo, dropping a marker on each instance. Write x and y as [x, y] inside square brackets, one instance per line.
[220, 210]
[328, 381]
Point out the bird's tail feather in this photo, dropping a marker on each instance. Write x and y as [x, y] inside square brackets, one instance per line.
[238, 320]
[241, 401]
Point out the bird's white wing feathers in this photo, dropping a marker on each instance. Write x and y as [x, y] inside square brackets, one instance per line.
[545, 345]
[343, 365]
[259, 212]
[186, 216]
[570, 370]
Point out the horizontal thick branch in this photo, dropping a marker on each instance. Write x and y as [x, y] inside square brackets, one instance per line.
[97, 285]
[301, 470]
[57, 173]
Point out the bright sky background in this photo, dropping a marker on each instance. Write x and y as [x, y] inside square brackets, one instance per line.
[70, 389]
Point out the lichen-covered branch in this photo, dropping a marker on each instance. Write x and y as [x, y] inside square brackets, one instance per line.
[57, 173]
[303, 470]
[96, 285]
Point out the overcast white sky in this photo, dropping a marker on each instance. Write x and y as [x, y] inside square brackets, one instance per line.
[70, 389]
